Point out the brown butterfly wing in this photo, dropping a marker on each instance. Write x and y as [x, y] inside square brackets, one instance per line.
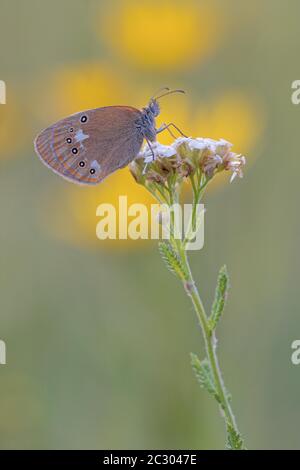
[88, 146]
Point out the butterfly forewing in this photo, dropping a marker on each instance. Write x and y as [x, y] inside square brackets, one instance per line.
[90, 145]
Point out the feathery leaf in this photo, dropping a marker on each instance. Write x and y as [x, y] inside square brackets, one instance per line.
[172, 260]
[204, 376]
[220, 298]
[234, 439]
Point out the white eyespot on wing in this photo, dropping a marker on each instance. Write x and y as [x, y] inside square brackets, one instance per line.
[80, 136]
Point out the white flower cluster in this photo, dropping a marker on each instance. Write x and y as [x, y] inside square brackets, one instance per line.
[211, 155]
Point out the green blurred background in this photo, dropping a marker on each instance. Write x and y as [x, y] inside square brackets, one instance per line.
[98, 334]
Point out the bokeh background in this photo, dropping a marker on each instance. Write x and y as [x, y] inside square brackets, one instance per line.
[98, 334]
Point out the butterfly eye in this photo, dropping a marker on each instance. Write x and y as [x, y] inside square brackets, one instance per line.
[71, 129]
[74, 150]
[92, 171]
[83, 118]
[69, 140]
[82, 164]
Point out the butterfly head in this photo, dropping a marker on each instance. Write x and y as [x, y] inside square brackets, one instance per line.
[150, 112]
[147, 121]
[153, 108]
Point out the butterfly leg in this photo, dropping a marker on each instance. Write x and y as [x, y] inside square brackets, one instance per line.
[152, 152]
[165, 127]
[151, 149]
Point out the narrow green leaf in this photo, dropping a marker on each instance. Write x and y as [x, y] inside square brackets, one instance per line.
[172, 260]
[220, 298]
[204, 375]
[234, 439]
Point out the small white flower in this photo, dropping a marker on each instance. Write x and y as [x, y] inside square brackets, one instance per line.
[159, 150]
[201, 143]
[234, 163]
[210, 163]
[211, 155]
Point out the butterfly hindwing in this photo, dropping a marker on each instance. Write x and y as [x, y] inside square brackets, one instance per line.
[88, 146]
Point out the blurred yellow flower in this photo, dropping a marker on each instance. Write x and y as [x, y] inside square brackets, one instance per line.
[161, 34]
[233, 116]
[73, 211]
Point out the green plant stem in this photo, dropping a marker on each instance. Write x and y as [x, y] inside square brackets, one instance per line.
[210, 342]
[191, 289]
[192, 223]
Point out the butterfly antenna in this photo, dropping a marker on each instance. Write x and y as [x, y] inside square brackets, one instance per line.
[164, 88]
[169, 92]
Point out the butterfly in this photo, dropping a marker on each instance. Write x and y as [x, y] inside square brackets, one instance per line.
[86, 147]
